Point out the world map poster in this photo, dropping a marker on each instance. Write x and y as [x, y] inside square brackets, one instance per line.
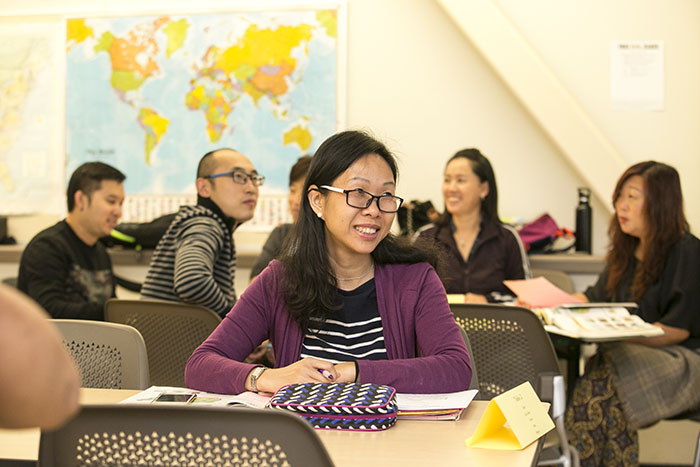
[31, 166]
[151, 94]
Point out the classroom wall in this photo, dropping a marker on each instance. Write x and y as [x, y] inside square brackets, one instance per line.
[574, 38]
[417, 83]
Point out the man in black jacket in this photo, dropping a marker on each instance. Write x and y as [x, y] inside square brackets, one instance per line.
[64, 268]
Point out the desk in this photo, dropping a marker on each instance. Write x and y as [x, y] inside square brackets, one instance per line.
[408, 443]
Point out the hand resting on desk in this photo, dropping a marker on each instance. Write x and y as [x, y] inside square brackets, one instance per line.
[307, 370]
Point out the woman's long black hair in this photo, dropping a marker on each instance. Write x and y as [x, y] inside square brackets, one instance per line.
[310, 288]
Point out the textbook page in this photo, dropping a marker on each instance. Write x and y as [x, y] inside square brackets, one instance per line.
[598, 322]
[425, 402]
[247, 399]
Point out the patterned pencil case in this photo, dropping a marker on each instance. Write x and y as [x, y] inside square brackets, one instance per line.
[340, 406]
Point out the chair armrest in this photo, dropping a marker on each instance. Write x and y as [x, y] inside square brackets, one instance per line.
[551, 389]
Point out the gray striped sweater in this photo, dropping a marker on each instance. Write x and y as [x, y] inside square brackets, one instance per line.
[194, 262]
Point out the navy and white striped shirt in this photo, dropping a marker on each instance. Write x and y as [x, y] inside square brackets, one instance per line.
[353, 333]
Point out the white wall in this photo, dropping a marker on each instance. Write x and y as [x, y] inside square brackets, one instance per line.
[574, 37]
[418, 84]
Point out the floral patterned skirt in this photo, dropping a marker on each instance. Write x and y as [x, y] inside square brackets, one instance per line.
[596, 423]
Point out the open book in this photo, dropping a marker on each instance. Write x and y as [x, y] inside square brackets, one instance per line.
[598, 321]
[567, 315]
[246, 399]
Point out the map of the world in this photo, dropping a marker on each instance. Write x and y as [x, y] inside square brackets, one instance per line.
[151, 94]
[30, 160]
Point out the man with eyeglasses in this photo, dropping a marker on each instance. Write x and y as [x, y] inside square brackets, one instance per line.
[195, 261]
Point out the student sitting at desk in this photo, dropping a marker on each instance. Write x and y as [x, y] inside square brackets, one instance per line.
[655, 261]
[480, 251]
[347, 301]
[195, 261]
[64, 268]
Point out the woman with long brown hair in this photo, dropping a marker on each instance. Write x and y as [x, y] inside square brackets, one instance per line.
[653, 260]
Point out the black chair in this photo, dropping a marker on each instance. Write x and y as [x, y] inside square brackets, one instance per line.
[474, 383]
[142, 434]
[510, 346]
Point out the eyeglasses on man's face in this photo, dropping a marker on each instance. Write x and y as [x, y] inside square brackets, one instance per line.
[360, 199]
[241, 177]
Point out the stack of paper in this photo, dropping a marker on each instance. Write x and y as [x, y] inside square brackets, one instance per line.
[447, 406]
[539, 293]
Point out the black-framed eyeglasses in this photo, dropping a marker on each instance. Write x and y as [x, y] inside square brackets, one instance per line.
[360, 199]
[241, 177]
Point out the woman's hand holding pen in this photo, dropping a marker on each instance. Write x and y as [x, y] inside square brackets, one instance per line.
[346, 372]
[307, 370]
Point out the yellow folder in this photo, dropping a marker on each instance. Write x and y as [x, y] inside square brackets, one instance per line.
[512, 420]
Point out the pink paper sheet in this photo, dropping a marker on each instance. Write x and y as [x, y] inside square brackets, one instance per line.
[540, 293]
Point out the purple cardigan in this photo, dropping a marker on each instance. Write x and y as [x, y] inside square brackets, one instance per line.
[414, 311]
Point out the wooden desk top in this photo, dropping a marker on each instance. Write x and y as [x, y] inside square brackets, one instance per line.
[408, 443]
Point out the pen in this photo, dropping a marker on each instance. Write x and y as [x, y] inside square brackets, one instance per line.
[326, 373]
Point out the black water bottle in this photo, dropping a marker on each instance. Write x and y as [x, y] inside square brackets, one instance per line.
[583, 221]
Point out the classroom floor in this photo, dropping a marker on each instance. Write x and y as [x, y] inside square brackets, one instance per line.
[668, 443]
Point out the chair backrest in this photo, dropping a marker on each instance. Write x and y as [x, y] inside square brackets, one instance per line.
[142, 434]
[509, 345]
[558, 278]
[109, 355]
[474, 383]
[171, 331]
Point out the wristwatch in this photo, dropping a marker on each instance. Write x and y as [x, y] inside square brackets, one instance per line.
[254, 375]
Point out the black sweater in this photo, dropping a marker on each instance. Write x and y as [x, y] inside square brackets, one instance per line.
[70, 279]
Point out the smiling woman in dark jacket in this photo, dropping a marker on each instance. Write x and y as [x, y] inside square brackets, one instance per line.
[479, 251]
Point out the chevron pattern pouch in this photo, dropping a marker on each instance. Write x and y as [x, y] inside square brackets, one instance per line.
[340, 406]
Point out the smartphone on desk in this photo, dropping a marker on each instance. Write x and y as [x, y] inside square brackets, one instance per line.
[169, 397]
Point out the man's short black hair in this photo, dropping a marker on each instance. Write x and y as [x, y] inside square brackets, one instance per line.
[207, 164]
[88, 178]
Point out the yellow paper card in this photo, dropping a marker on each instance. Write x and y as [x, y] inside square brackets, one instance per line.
[512, 420]
[454, 298]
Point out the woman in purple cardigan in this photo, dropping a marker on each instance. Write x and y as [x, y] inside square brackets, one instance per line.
[348, 301]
